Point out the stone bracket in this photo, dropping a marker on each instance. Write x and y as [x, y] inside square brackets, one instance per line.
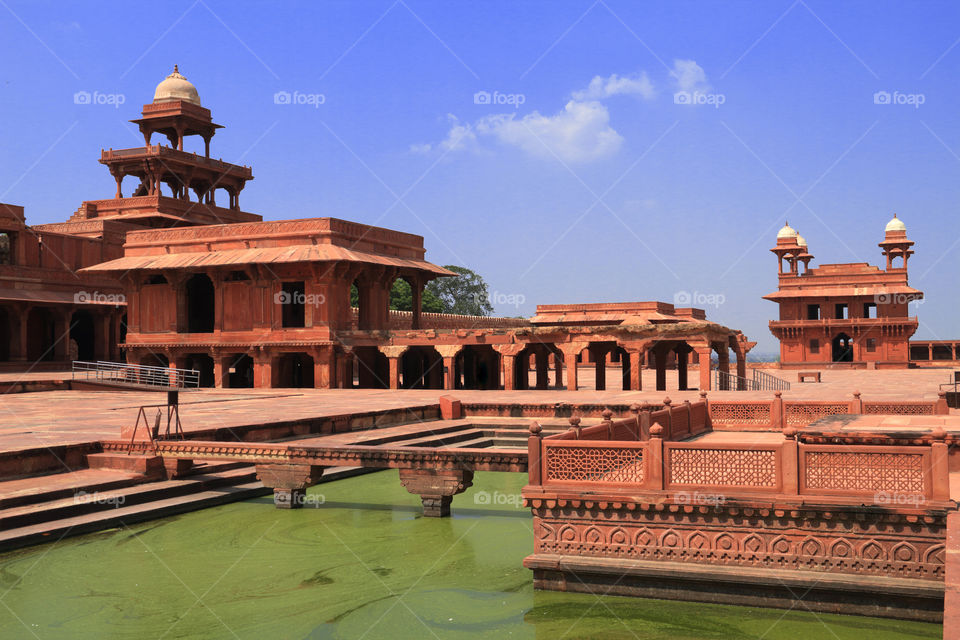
[289, 482]
[436, 488]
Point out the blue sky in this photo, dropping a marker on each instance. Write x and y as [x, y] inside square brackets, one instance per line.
[585, 178]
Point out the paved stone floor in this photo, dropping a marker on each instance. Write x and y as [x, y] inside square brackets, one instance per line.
[29, 420]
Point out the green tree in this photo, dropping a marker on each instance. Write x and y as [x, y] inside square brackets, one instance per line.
[467, 294]
[401, 298]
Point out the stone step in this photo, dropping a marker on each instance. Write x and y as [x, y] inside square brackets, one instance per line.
[125, 515]
[448, 439]
[128, 513]
[24, 491]
[86, 501]
[483, 442]
[436, 427]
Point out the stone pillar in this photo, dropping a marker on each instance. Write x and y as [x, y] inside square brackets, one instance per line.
[600, 367]
[101, 339]
[558, 369]
[289, 482]
[221, 371]
[723, 360]
[570, 351]
[393, 353]
[20, 334]
[263, 371]
[741, 367]
[543, 372]
[660, 362]
[449, 353]
[636, 370]
[324, 375]
[61, 334]
[703, 355]
[509, 372]
[508, 355]
[436, 488]
[682, 357]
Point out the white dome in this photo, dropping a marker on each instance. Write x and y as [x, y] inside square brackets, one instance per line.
[787, 232]
[801, 241]
[895, 224]
[176, 87]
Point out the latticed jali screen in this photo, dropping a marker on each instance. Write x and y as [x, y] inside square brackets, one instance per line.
[899, 408]
[594, 464]
[724, 467]
[752, 413]
[804, 414]
[900, 472]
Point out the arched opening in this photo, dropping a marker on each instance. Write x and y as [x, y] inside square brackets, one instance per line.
[842, 348]
[240, 371]
[41, 334]
[421, 368]
[203, 364]
[200, 304]
[82, 333]
[476, 367]
[373, 368]
[5, 335]
[294, 370]
[6, 248]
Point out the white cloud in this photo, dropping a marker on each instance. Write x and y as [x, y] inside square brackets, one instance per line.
[460, 136]
[689, 76]
[579, 133]
[615, 85]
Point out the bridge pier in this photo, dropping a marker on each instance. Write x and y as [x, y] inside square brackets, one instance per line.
[289, 482]
[436, 487]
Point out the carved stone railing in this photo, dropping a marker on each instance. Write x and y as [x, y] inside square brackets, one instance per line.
[886, 474]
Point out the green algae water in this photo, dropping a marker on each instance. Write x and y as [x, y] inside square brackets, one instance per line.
[363, 564]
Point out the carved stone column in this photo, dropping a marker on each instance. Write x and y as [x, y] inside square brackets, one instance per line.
[393, 353]
[449, 353]
[508, 355]
[570, 351]
[436, 488]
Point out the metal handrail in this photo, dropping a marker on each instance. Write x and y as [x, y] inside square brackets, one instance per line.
[761, 381]
[767, 382]
[162, 378]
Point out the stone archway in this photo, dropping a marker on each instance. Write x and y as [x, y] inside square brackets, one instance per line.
[83, 334]
[201, 305]
[842, 348]
[421, 367]
[294, 370]
[41, 334]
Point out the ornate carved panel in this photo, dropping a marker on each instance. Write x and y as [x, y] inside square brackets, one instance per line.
[900, 472]
[756, 413]
[594, 464]
[864, 547]
[899, 408]
[713, 467]
[804, 414]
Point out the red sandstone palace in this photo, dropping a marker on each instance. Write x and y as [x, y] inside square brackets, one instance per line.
[855, 313]
[267, 304]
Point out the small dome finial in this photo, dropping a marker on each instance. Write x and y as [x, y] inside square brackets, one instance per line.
[175, 69]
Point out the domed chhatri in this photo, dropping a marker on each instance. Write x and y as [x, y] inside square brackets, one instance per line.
[787, 232]
[801, 241]
[895, 224]
[176, 87]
